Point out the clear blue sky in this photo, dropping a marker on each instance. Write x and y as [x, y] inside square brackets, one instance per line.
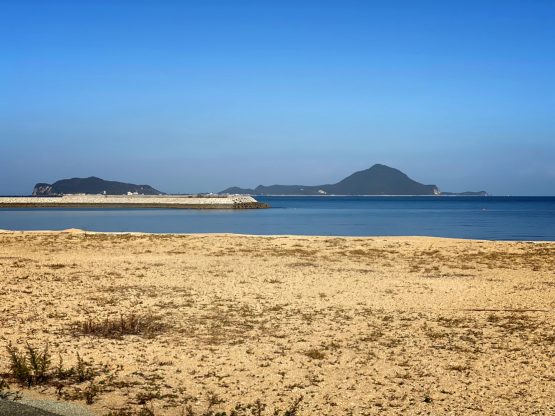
[193, 96]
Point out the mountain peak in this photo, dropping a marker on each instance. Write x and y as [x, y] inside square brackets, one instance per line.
[378, 179]
[381, 180]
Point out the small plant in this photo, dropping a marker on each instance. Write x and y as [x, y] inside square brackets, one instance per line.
[83, 371]
[213, 399]
[61, 372]
[19, 368]
[457, 367]
[293, 410]
[315, 354]
[257, 408]
[90, 393]
[39, 362]
[31, 366]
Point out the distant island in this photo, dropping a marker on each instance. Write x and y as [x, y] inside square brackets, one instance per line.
[92, 185]
[377, 180]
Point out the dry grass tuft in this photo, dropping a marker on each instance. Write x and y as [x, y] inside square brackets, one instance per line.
[145, 325]
[315, 354]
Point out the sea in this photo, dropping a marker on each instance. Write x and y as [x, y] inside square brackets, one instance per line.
[487, 218]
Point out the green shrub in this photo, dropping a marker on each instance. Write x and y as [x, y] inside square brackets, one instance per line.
[29, 366]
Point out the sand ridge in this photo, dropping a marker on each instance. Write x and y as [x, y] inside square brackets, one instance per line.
[358, 326]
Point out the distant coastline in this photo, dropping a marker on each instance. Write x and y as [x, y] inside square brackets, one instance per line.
[447, 195]
[378, 180]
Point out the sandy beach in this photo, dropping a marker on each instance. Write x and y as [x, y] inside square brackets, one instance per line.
[335, 326]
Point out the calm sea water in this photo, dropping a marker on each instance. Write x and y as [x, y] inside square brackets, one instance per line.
[494, 218]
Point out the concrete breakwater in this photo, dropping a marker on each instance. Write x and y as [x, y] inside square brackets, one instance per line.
[134, 201]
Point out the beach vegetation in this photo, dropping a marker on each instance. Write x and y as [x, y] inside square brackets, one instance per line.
[145, 325]
[143, 397]
[31, 365]
[90, 393]
[315, 354]
[256, 408]
[143, 411]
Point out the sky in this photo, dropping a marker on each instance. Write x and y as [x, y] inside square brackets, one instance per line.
[196, 96]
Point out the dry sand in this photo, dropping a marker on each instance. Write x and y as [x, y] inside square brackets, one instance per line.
[352, 325]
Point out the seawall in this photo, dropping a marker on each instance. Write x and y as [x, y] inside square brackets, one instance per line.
[134, 201]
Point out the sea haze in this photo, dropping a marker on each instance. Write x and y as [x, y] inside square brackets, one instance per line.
[490, 218]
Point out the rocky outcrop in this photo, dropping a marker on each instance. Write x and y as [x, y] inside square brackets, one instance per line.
[43, 189]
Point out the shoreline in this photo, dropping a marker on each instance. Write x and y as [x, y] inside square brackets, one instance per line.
[269, 236]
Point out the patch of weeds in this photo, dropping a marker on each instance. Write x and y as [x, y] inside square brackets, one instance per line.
[449, 322]
[213, 399]
[547, 339]
[144, 411]
[492, 318]
[513, 324]
[88, 394]
[457, 367]
[61, 372]
[29, 367]
[32, 366]
[83, 370]
[146, 396]
[56, 266]
[292, 410]
[258, 408]
[315, 354]
[436, 335]
[373, 336]
[145, 325]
